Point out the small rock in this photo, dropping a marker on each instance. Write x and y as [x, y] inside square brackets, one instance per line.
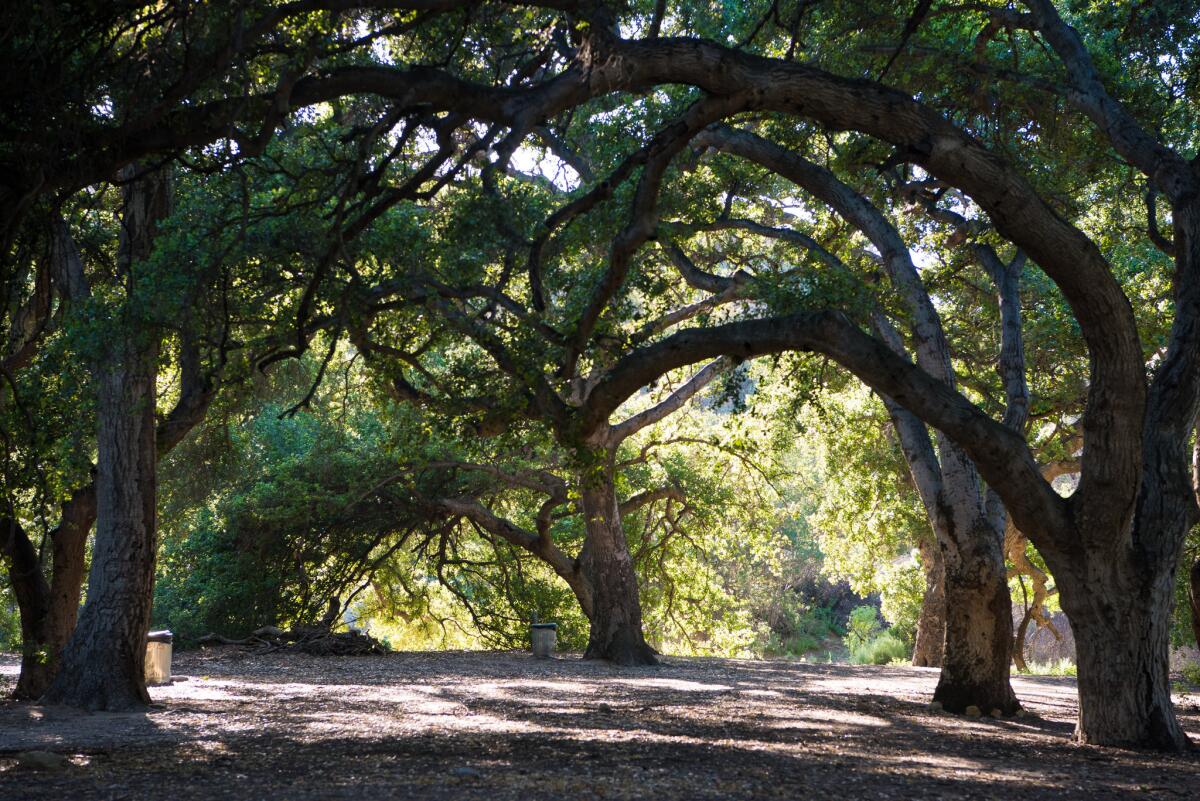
[464, 771]
[42, 760]
[997, 713]
[604, 708]
[973, 712]
[935, 706]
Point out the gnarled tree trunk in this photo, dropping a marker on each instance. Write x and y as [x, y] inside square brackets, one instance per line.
[931, 626]
[1121, 619]
[104, 662]
[103, 665]
[979, 626]
[1035, 608]
[616, 620]
[977, 642]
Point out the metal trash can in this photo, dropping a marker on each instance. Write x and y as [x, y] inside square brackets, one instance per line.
[544, 637]
[158, 657]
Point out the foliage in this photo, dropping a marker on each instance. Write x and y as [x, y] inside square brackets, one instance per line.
[1060, 667]
[800, 627]
[882, 649]
[900, 603]
[862, 627]
[1191, 673]
[10, 622]
[869, 518]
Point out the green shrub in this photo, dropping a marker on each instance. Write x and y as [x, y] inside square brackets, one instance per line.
[862, 626]
[801, 629]
[1191, 673]
[880, 650]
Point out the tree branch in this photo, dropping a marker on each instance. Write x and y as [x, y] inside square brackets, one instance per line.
[615, 434]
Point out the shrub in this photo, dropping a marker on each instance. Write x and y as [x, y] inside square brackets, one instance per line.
[862, 626]
[881, 650]
[800, 628]
[1191, 673]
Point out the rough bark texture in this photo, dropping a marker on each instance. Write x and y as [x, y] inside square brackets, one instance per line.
[979, 624]
[28, 584]
[1121, 624]
[931, 626]
[103, 665]
[616, 623]
[53, 619]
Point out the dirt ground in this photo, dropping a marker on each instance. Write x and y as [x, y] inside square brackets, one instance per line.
[500, 726]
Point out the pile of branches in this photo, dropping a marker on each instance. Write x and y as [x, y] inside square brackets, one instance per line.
[313, 640]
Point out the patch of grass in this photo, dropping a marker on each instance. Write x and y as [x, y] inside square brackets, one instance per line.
[1059, 667]
[879, 650]
[797, 644]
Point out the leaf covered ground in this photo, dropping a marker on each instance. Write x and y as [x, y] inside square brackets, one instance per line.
[499, 726]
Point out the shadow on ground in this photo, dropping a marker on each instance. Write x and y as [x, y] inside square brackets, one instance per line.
[502, 726]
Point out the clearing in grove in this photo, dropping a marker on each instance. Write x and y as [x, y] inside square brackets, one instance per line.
[463, 725]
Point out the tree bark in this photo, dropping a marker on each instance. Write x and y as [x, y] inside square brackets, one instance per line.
[103, 665]
[1121, 619]
[979, 624]
[931, 627]
[28, 584]
[1018, 655]
[47, 625]
[616, 621]
[53, 624]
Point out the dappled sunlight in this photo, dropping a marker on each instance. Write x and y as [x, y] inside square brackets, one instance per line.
[825, 720]
[504, 717]
[674, 684]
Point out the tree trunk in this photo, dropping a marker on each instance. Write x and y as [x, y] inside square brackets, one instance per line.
[616, 620]
[979, 627]
[1122, 629]
[103, 664]
[931, 627]
[47, 626]
[29, 588]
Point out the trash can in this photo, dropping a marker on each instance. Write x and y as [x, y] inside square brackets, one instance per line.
[158, 657]
[544, 637]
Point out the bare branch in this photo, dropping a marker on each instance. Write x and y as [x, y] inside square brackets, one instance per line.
[671, 404]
